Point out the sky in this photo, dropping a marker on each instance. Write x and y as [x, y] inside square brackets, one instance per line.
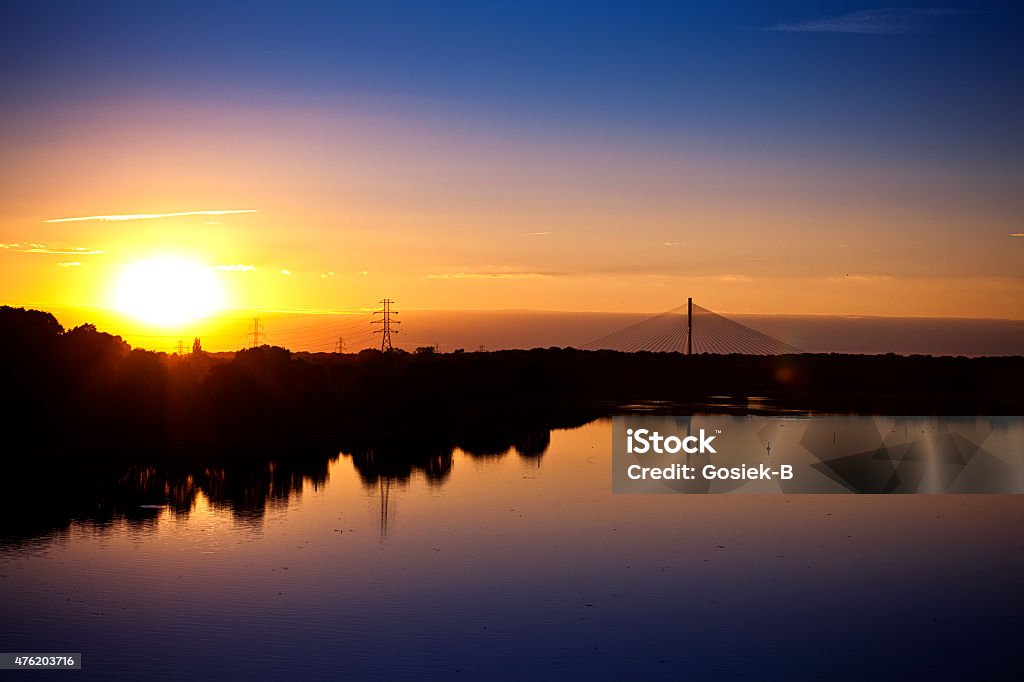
[798, 158]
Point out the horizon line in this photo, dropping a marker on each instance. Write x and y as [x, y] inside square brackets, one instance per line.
[364, 310]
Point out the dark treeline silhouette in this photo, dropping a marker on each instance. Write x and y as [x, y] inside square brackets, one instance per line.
[83, 388]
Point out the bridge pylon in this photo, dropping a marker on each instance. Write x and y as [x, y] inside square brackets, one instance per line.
[689, 326]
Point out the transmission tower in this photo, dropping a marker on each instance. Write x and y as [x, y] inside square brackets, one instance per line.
[340, 346]
[255, 329]
[181, 346]
[386, 331]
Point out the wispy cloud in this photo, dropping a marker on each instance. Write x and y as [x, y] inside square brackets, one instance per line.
[69, 264]
[1017, 234]
[890, 21]
[286, 273]
[149, 216]
[493, 275]
[43, 248]
[673, 243]
[861, 278]
[236, 268]
[325, 275]
[534, 234]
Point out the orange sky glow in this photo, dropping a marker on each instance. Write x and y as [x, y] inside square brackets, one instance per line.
[319, 208]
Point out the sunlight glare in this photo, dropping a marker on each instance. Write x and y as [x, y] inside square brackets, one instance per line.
[168, 291]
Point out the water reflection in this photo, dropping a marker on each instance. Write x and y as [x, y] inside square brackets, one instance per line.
[244, 484]
[140, 493]
[498, 563]
[247, 483]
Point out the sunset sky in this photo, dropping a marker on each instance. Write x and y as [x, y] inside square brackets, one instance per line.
[785, 157]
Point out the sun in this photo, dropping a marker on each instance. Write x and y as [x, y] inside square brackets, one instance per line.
[167, 291]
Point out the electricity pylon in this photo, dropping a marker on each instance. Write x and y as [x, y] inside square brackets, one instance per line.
[386, 331]
[255, 329]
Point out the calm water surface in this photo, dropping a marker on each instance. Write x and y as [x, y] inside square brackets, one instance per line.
[512, 566]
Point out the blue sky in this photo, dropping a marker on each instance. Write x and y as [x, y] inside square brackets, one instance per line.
[935, 73]
[476, 154]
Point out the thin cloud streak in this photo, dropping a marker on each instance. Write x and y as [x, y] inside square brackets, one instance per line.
[43, 248]
[862, 278]
[149, 216]
[493, 275]
[890, 21]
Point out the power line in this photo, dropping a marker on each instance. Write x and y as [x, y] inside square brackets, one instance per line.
[352, 322]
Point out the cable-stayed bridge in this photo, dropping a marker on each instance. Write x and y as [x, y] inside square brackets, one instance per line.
[691, 328]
